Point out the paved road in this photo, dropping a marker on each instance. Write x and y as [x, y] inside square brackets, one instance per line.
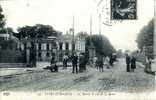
[115, 79]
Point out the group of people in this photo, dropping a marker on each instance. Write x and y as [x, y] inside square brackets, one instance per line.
[78, 63]
[148, 64]
[131, 63]
[107, 61]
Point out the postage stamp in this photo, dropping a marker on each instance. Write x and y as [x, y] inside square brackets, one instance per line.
[123, 9]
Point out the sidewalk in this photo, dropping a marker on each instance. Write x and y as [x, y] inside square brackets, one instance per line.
[140, 64]
[143, 66]
[18, 71]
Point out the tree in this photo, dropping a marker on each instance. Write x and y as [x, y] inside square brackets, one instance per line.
[2, 20]
[26, 32]
[45, 30]
[145, 37]
[37, 31]
[102, 45]
[7, 30]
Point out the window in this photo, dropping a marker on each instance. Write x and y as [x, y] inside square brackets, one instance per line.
[48, 54]
[25, 46]
[39, 54]
[60, 46]
[47, 46]
[32, 44]
[67, 46]
[39, 46]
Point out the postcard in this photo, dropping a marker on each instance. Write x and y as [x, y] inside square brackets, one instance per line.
[77, 49]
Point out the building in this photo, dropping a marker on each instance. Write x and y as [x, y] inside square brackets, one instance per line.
[40, 49]
[65, 45]
[148, 51]
[9, 49]
[4, 36]
[43, 49]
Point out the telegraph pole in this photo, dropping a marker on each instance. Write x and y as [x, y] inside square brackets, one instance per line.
[73, 37]
[154, 44]
[90, 25]
[91, 45]
[99, 23]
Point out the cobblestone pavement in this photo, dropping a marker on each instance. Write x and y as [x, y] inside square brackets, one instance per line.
[115, 79]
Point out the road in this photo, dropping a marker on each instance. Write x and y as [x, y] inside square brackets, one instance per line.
[115, 79]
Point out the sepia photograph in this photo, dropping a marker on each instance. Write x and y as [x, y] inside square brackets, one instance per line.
[77, 49]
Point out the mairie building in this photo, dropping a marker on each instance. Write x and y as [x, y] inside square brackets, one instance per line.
[43, 49]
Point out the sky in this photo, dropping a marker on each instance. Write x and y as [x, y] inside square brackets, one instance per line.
[59, 14]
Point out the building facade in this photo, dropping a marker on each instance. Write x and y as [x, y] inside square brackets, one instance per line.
[65, 45]
[58, 47]
[42, 49]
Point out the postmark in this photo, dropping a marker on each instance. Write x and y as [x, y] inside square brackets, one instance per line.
[104, 11]
[123, 9]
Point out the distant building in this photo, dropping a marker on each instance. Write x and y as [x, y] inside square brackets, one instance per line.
[65, 45]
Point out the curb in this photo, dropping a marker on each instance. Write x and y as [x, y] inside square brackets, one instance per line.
[27, 72]
[141, 65]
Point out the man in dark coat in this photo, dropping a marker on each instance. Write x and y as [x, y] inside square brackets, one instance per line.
[74, 63]
[111, 60]
[100, 61]
[81, 63]
[53, 66]
[128, 61]
[133, 63]
[65, 59]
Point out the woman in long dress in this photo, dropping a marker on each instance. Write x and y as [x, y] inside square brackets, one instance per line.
[133, 63]
[106, 62]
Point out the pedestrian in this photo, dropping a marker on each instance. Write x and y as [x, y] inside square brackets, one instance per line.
[74, 63]
[100, 62]
[128, 61]
[53, 66]
[148, 64]
[82, 63]
[133, 63]
[111, 60]
[85, 61]
[95, 59]
[106, 62]
[65, 62]
[95, 62]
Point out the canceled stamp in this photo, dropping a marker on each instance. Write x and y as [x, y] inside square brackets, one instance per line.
[123, 9]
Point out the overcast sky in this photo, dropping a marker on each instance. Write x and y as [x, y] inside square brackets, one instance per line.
[59, 13]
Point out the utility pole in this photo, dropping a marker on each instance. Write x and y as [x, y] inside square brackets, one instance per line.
[73, 37]
[91, 45]
[154, 44]
[99, 23]
[90, 25]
